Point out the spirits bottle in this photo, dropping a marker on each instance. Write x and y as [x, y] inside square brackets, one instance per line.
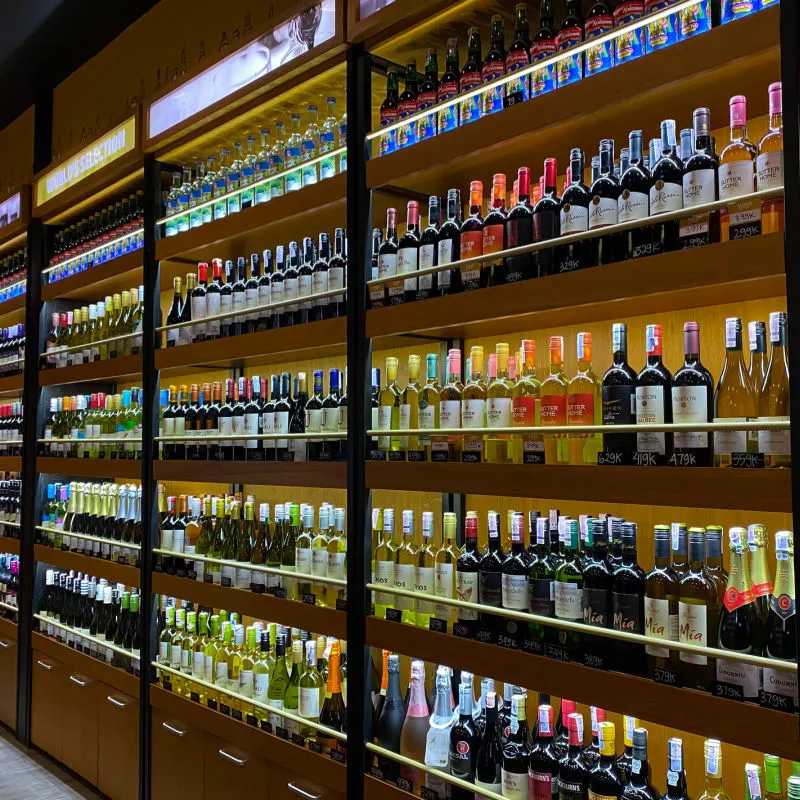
[277, 163]
[639, 786]
[471, 243]
[735, 399]
[634, 201]
[692, 401]
[494, 66]
[769, 163]
[574, 217]
[547, 220]
[261, 169]
[518, 57]
[464, 739]
[389, 111]
[737, 176]
[604, 207]
[428, 125]
[248, 172]
[328, 140]
[599, 22]
[573, 776]
[543, 47]
[234, 179]
[292, 157]
[448, 118]
[773, 394]
[714, 790]
[661, 592]
[471, 78]
[494, 229]
[407, 106]
[740, 627]
[310, 148]
[654, 399]
[570, 68]
[413, 735]
[553, 404]
[390, 722]
[584, 405]
[604, 779]
[473, 409]
[467, 576]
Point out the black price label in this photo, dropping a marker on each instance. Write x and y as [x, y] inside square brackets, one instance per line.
[438, 625]
[251, 720]
[394, 615]
[280, 592]
[266, 725]
[324, 455]
[341, 605]
[237, 714]
[558, 653]
[212, 704]
[298, 739]
[226, 582]
[728, 690]
[485, 635]
[285, 456]
[666, 676]
[439, 457]
[339, 756]
[606, 458]
[462, 631]
[376, 773]
[683, 460]
[428, 794]
[471, 458]
[309, 599]
[533, 458]
[535, 646]
[376, 455]
[747, 460]
[396, 455]
[779, 702]
[405, 785]
[594, 660]
[508, 641]
[282, 732]
[416, 455]
[224, 709]
[208, 578]
[168, 684]
[314, 746]
[194, 697]
[646, 459]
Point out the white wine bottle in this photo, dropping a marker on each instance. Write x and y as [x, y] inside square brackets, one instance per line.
[773, 402]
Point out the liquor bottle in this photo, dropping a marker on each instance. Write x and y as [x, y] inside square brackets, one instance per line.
[714, 790]
[471, 78]
[773, 394]
[676, 774]
[604, 779]
[427, 97]
[519, 230]
[464, 740]
[599, 21]
[448, 281]
[467, 576]
[547, 220]
[389, 111]
[769, 163]
[654, 399]
[553, 404]
[408, 252]
[619, 397]
[596, 601]
[740, 627]
[415, 726]
[407, 106]
[628, 585]
[473, 408]
[494, 229]
[471, 243]
[700, 185]
[570, 68]
[639, 786]
[518, 57]
[692, 401]
[666, 190]
[574, 216]
[493, 67]
[698, 612]
[448, 87]
[568, 591]
[604, 207]
[661, 592]
[516, 753]
[543, 47]
[737, 176]
[584, 405]
[573, 776]
[735, 399]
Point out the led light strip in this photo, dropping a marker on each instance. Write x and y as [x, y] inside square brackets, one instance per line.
[282, 712]
[11, 286]
[88, 637]
[110, 440]
[89, 538]
[252, 186]
[61, 264]
[596, 233]
[590, 630]
[589, 44]
[299, 576]
[235, 437]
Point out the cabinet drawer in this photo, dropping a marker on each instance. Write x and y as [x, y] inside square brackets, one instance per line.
[79, 745]
[286, 785]
[176, 748]
[8, 684]
[47, 704]
[118, 752]
[229, 771]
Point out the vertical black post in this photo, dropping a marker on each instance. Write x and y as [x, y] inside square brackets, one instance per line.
[359, 218]
[790, 76]
[151, 318]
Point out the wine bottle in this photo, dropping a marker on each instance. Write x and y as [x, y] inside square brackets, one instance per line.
[661, 591]
[390, 722]
[676, 775]
[464, 742]
[627, 595]
[516, 753]
[573, 776]
[516, 569]
[714, 790]
[519, 230]
[597, 607]
[605, 782]
[544, 759]
[625, 759]
[700, 185]
[634, 201]
[759, 572]
[773, 395]
[448, 281]
[574, 216]
[490, 580]
[666, 190]
[639, 786]
[654, 399]
[437, 744]
[488, 760]
[603, 209]
[468, 578]
[408, 252]
[568, 591]
[773, 780]
[493, 272]
[553, 404]
[591, 753]
[415, 726]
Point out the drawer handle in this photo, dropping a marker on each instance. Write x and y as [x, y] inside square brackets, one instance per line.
[5, 644]
[293, 787]
[114, 702]
[172, 729]
[240, 762]
[48, 667]
[76, 679]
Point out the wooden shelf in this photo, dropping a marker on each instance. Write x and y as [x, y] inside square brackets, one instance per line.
[279, 751]
[315, 339]
[318, 208]
[730, 272]
[94, 283]
[733, 722]
[261, 606]
[85, 665]
[10, 463]
[9, 545]
[383, 790]
[16, 305]
[89, 565]
[669, 83]
[12, 384]
[90, 467]
[111, 369]
[327, 475]
[702, 487]
[8, 628]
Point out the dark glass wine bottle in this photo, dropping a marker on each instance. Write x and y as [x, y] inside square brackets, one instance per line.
[591, 753]
[464, 743]
[543, 763]
[628, 604]
[516, 753]
[604, 207]
[574, 216]
[448, 281]
[666, 190]
[654, 399]
[676, 774]
[519, 230]
[573, 776]
[639, 786]
[661, 591]
[634, 201]
[625, 759]
[597, 606]
[619, 396]
[391, 719]
[468, 577]
[488, 760]
[568, 591]
[547, 220]
[604, 779]
[490, 580]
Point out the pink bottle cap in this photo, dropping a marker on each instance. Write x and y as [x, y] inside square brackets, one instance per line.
[775, 98]
[738, 105]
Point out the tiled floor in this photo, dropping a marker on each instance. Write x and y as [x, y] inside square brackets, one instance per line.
[29, 775]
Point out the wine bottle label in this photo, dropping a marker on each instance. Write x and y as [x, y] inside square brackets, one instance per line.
[774, 443]
[239, 301]
[407, 262]
[472, 413]
[404, 575]
[514, 785]
[659, 624]
[258, 581]
[630, 44]
[542, 785]
[250, 301]
[650, 410]
[627, 612]
[568, 600]
[305, 288]
[404, 423]
[574, 219]
[690, 405]
[541, 595]
[260, 686]
[242, 578]
[730, 441]
[632, 206]
[384, 424]
[493, 242]
[163, 652]
[424, 583]
[313, 420]
[490, 589]
[471, 246]
[736, 179]
[602, 211]
[251, 427]
[427, 258]
[427, 417]
[596, 796]
[281, 425]
[330, 420]
[238, 426]
[450, 414]
[277, 295]
[580, 409]
[387, 265]
[303, 559]
[290, 292]
[699, 186]
[437, 747]
[596, 609]
[384, 574]
[769, 170]
[741, 680]
[515, 592]
[175, 659]
[693, 629]
[467, 591]
[308, 702]
[212, 308]
[335, 281]
[335, 568]
[498, 412]
[553, 410]
[445, 256]
[185, 334]
[319, 283]
[665, 197]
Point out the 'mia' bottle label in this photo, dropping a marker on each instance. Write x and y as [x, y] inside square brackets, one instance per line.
[600, 57]
[735, 9]
[629, 44]
[662, 32]
[695, 19]
[543, 79]
[570, 68]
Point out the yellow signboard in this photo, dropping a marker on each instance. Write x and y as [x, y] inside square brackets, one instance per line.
[109, 148]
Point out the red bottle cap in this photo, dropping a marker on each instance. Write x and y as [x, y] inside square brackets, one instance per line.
[202, 272]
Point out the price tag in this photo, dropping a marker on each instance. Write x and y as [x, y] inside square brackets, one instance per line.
[777, 701]
[394, 615]
[314, 746]
[341, 605]
[470, 458]
[167, 684]
[485, 635]
[533, 458]
[339, 756]
[535, 646]
[428, 794]
[462, 631]
[376, 773]
[266, 726]
[594, 660]
[666, 676]
[376, 455]
[683, 460]
[212, 704]
[558, 653]
[226, 581]
[405, 785]
[280, 592]
[194, 697]
[236, 714]
[507, 641]
[645, 459]
[224, 709]
[747, 460]
[298, 739]
[396, 455]
[251, 720]
[416, 455]
[282, 732]
[309, 599]
[439, 457]
[207, 578]
[438, 625]
[606, 457]
[728, 691]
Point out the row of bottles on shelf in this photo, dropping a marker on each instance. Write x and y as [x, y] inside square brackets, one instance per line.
[602, 18]
[10, 507]
[11, 429]
[116, 418]
[217, 191]
[103, 520]
[13, 272]
[298, 273]
[81, 336]
[515, 397]
[9, 580]
[671, 178]
[491, 742]
[12, 350]
[224, 529]
[284, 669]
[199, 411]
[587, 571]
[104, 235]
[96, 613]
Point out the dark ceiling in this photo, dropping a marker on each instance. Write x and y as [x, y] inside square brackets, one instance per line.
[43, 41]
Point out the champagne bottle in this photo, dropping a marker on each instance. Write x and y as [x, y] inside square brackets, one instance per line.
[415, 726]
[390, 722]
